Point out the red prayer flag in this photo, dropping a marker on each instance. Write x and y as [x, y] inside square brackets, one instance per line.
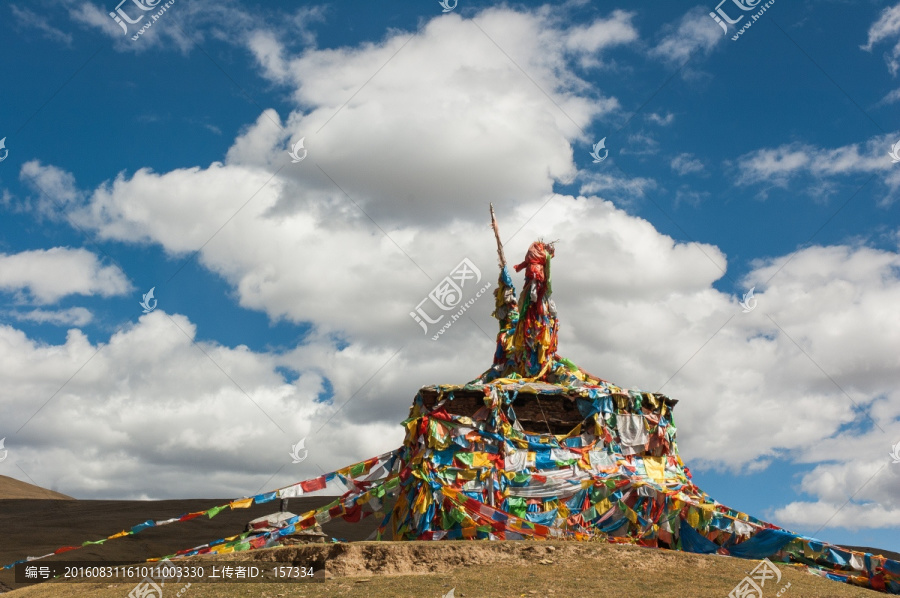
[313, 485]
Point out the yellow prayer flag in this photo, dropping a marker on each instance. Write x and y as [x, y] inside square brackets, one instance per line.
[244, 503]
[630, 515]
[693, 518]
[480, 460]
[656, 468]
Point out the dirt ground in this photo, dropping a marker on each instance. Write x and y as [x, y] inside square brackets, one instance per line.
[485, 569]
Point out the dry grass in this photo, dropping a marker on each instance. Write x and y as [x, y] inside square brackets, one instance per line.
[13, 488]
[487, 569]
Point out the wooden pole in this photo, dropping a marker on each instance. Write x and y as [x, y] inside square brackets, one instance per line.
[497, 236]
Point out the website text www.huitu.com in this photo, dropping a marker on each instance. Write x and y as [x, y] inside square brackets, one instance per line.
[153, 19]
[457, 315]
[752, 20]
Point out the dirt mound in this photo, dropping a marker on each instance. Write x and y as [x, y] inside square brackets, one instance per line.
[405, 558]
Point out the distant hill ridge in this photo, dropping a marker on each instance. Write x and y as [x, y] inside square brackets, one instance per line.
[12, 488]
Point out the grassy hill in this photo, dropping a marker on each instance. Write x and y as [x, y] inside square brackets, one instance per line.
[11, 488]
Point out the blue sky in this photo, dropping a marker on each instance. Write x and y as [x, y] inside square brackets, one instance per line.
[284, 289]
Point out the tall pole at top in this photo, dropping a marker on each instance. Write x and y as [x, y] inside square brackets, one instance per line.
[497, 236]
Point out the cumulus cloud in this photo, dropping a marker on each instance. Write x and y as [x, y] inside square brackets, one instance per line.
[46, 275]
[874, 505]
[149, 410]
[455, 98]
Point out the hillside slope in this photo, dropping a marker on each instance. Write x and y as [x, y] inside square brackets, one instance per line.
[12, 488]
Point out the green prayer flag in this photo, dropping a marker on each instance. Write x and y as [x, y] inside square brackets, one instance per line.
[467, 458]
[215, 511]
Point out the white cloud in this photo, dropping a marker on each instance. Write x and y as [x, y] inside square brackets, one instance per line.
[73, 316]
[661, 120]
[783, 164]
[589, 40]
[621, 188]
[695, 32]
[686, 163]
[885, 28]
[445, 101]
[30, 19]
[180, 27]
[56, 189]
[835, 484]
[686, 195]
[149, 414]
[641, 144]
[891, 97]
[46, 275]
[602, 33]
